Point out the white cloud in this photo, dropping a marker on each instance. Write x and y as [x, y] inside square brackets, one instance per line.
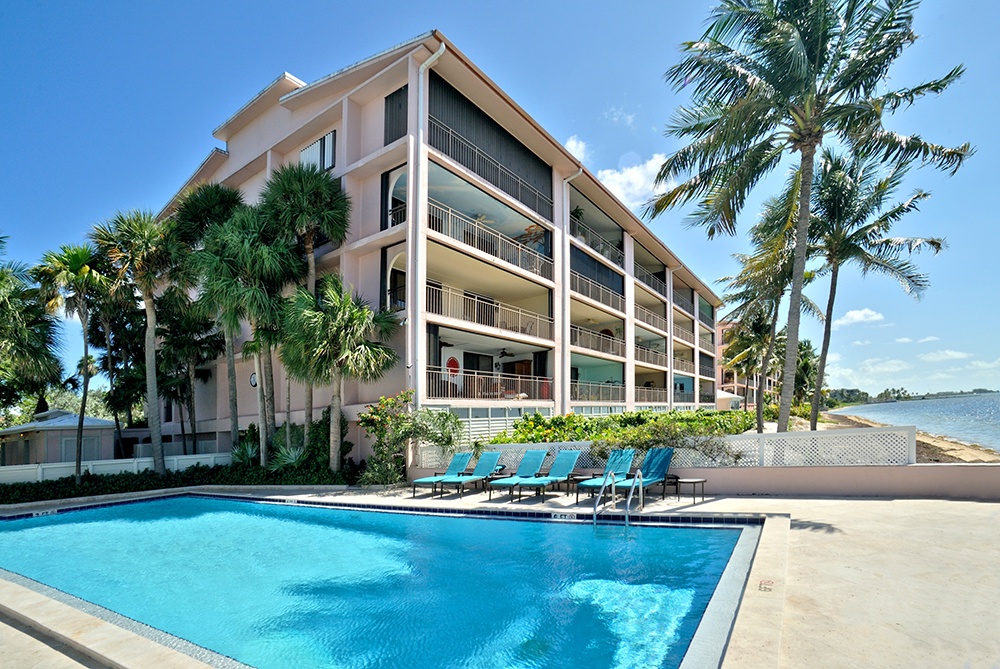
[904, 340]
[879, 366]
[578, 148]
[981, 364]
[634, 185]
[833, 358]
[941, 356]
[858, 342]
[618, 116]
[939, 376]
[927, 339]
[858, 316]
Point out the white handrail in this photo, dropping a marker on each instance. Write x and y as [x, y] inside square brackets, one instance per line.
[642, 500]
[614, 493]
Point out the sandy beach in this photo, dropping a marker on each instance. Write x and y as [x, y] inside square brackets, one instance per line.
[930, 448]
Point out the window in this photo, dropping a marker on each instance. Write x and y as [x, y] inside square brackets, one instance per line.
[91, 449]
[322, 152]
[395, 115]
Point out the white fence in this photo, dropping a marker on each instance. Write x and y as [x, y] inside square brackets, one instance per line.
[863, 446]
[57, 470]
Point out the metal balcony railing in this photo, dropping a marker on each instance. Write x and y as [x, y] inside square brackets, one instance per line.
[596, 341]
[463, 151]
[706, 398]
[683, 302]
[396, 298]
[644, 394]
[460, 227]
[706, 318]
[682, 365]
[397, 215]
[589, 391]
[683, 397]
[651, 356]
[591, 238]
[706, 371]
[443, 383]
[707, 342]
[452, 303]
[578, 283]
[650, 317]
[681, 333]
[650, 279]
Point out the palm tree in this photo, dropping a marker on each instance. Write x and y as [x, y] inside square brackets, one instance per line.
[69, 279]
[206, 206]
[309, 201]
[139, 249]
[850, 227]
[331, 338]
[775, 77]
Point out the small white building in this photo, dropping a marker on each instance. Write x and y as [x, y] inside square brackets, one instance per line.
[51, 437]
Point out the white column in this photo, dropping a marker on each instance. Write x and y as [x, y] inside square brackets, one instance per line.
[670, 335]
[629, 328]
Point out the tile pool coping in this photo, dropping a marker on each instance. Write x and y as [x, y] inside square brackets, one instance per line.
[708, 647]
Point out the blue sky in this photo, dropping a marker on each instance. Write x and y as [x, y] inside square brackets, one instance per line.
[111, 106]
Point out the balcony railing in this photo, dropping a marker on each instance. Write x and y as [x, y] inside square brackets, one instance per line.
[707, 342]
[446, 301]
[578, 283]
[707, 319]
[683, 397]
[682, 365]
[683, 302]
[681, 333]
[443, 383]
[707, 371]
[651, 356]
[706, 398]
[650, 279]
[644, 394]
[650, 317]
[396, 298]
[397, 215]
[460, 227]
[596, 341]
[589, 391]
[588, 236]
[466, 153]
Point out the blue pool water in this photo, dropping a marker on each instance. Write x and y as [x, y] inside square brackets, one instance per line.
[287, 586]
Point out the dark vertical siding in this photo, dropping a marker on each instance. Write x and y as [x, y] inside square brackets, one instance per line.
[395, 115]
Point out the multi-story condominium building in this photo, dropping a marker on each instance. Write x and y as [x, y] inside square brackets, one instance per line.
[731, 381]
[522, 284]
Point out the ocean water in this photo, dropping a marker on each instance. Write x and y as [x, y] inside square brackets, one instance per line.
[973, 419]
[283, 586]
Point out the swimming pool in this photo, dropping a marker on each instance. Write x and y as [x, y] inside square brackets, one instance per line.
[278, 586]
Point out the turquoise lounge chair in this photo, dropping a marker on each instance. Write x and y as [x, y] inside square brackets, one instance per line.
[654, 470]
[561, 469]
[531, 462]
[619, 462]
[485, 467]
[459, 462]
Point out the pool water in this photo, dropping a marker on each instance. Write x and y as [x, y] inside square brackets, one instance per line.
[288, 586]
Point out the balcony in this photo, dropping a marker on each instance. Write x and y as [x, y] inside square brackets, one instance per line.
[578, 283]
[590, 391]
[682, 365]
[464, 152]
[445, 384]
[707, 371]
[706, 318]
[588, 236]
[396, 298]
[397, 215]
[460, 227]
[452, 303]
[683, 302]
[706, 398]
[707, 342]
[651, 356]
[683, 398]
[596, 341]
[650, 279]
[651, 318]
[644, 394]
[685, 335]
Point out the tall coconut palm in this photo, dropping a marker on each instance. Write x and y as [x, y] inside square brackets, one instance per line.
[309, 201]
[773, 77]
[337, 336]
[69, 279]
[851, 225]
[206, 206]
[141, 252]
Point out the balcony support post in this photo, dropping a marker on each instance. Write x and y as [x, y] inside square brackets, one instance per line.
[629, 326]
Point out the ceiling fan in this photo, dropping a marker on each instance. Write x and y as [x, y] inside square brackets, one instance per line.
[504, 354]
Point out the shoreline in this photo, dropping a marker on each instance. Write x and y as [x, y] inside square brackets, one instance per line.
[930, 447]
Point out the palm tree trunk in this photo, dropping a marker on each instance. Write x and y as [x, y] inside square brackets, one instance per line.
[827, 328]
[795, 298]
[180, 417]
[261, 414]
[191, 409]
[268, 368]
[335, 423]
[152, 396]
[765, 362]
[83, 401]
[234, 426]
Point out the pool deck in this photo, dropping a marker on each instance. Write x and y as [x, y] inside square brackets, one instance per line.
[835, 583]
